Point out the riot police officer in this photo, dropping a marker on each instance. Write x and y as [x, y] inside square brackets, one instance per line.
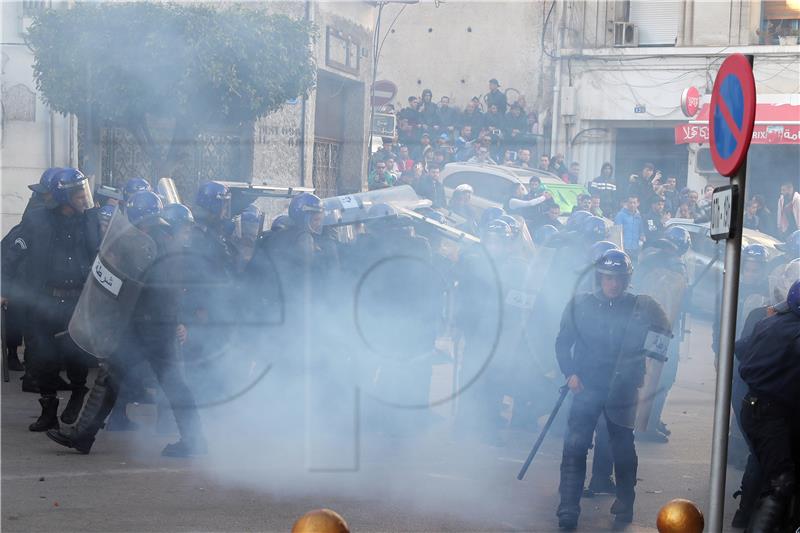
[58, 245]
[771, 368]
[16, 314]
[150, 336]
[601, 349]
[131, 187]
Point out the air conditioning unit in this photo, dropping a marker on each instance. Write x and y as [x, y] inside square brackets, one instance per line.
[626, 34]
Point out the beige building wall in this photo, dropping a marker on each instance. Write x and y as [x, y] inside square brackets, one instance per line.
[455, 47]
[32, 137]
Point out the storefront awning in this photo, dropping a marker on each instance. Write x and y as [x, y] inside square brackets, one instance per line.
[775, 124]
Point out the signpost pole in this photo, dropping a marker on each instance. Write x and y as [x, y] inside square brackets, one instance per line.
[730, 296]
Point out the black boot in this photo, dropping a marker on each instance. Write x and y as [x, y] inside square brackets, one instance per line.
[772, 508]
[622, 511]
[70, 413]
[49, 417]
[184, 448]
[625, 473]
[99, 403]
[14, 363]
[573, 474]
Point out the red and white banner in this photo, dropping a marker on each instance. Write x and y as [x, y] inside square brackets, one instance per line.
[762, 134]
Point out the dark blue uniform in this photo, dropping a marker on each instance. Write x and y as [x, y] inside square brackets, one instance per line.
[770, 366]
[601, 341]
[57, 251]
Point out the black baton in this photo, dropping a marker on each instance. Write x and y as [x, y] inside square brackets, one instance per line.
[564, 390]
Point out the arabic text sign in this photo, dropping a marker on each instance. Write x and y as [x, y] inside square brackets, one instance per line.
[762, 134]
[105, 278]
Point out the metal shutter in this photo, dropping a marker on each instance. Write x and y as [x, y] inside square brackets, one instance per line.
[658, 21]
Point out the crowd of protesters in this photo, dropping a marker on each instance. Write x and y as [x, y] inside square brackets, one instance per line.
[492, 131]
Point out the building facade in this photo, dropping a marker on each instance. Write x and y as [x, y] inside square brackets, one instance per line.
[624, 66]
[32, 137]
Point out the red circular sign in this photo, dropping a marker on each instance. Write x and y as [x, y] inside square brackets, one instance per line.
[690, 101]
[382, 92]
[732, 115]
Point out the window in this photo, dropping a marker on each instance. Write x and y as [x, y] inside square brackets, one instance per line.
[657, 22]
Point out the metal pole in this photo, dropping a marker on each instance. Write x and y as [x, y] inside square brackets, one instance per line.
[722, 409]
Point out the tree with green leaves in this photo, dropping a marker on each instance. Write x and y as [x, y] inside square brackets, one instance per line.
[189, 66]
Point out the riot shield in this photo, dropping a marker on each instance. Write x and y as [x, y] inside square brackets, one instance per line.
[615, 235]
[112, 288]
[168, 191]
[781, 279]
[668, 289]
[354, 208]
[517, 354]
[643, 351]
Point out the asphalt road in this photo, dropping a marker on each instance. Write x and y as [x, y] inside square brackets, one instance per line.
[248, 483]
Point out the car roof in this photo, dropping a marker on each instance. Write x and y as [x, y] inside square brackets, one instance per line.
[751, 236]
[519, 175]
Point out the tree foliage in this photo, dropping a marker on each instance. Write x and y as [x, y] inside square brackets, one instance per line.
[118, 63]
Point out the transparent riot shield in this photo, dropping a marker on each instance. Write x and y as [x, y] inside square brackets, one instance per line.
[667, 289]
[615, 235]
[643, 351]
[168, 191]
[355, 208]
[112, 288]
[781, 279]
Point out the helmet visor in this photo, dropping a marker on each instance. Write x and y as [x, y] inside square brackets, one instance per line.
[80, 196]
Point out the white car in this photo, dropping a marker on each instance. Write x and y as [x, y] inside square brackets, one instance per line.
[492, 184]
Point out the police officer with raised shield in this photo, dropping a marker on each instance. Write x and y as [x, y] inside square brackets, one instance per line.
[601, 348]
[148, 304]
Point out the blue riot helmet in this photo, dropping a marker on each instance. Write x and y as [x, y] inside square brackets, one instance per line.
[43, 187]
[599, 248]
[106, 212]
[134, 185]
[213, 201]
[593, 228]
[614, 263]
[251, 219]
[306, 211]
[792, 245]
[753, 265]
[70, 187]
[489, 214]
[543, 234]
[575, 220]
[679, 238]
[281, 222]
[513, 223]
[755, 252]
[180, 220]
[498, 228]
[793, 298]
[143, 206]
[177, 215]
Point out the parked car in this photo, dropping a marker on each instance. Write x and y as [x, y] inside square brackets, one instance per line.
[491, 184]
[706, 259]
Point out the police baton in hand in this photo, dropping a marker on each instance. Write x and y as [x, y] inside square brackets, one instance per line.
[563, 390]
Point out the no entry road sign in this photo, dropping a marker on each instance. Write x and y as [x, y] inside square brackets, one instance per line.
[733, 113]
